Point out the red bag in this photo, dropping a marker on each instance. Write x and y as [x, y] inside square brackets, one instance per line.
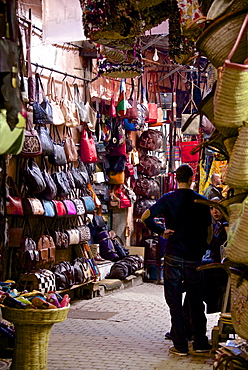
[132, 109]
[152, 106]
[60, 208]
[88, 153]
[186, 147]
[14, 206]
[124, 200]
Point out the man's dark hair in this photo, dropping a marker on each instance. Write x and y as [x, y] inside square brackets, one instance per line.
[183, 173]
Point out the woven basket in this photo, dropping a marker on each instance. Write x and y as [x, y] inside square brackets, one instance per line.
[218, 39]
[236, 175]
[221, 7]
[239, 305]
[234, 212]
[32, 332]
[237, 238]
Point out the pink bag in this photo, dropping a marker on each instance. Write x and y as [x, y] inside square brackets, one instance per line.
[70, 207]
[88, 153]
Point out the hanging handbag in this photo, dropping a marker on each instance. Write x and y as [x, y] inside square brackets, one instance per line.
[132, 110]
[151, 139]
[14, 206]
[78, 179]
[69, 146]
[73, 236]
[50, 190]
[32, 207]
[60, 238]
[58, 118]
[45, 139]
[68, 106]
[62, 184]
[47, 250]
[186, 147]
[190, 121]
[81, 106]
[149, 165]
[49, 208]
[60, 207]
[82, 270]
[152, 105]
[70, 207]
[142, 204]
[89, 203]
[42, 112]
[80, 206]
[124, 199]
[33, 177]
[116, 178]
[58, 158]
[84, 231]
[146, 187]
[117, 163]
[32, 144]
[88, 153]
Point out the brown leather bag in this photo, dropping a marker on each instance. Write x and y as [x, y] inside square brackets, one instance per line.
[146, 187]
[149, 165]
[151, 139]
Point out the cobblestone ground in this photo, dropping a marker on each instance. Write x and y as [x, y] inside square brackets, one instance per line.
[123, 330]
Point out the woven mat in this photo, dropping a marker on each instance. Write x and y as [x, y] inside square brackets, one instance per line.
[90, 315]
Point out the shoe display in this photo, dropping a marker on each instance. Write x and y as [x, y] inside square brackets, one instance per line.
[168, 336]
[202, 349]
[177, 352]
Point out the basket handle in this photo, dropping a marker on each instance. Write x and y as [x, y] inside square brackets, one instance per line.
[240, 35]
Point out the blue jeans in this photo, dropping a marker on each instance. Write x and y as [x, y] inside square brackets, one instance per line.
[179, 276]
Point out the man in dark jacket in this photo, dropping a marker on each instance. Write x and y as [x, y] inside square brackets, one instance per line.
[188, 228]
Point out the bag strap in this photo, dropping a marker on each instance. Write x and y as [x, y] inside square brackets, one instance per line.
[38, 84]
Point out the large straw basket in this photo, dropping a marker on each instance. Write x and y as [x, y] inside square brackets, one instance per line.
[221, 7]
[237, 237]
[32, 332]
[236, 175]
[239, 304]
[218, 39]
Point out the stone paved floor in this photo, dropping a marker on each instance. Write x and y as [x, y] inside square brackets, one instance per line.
[122, 330]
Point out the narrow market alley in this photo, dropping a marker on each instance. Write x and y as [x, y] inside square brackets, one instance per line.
[122, 330]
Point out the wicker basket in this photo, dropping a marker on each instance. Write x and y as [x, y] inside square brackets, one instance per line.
[32, 332]
[218, 39]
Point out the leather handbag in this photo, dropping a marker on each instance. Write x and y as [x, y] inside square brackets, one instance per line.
[50, 190]
[132, 109]
[151, 139]
[107, 249]
[124, 199]
[89, 203]
[29, 255]
[142, 205]
[64, 275]
[78, 179]
[68, 106]
[45, 139]
[58, 158]
[32, 207]
[70, 207]
[33, 177]
[60, 207]
[62, 184]
[80, 207]
[88, 153]
[47, 250]
[14, 206]
[58, 118]
[102, 191]
[81, 106]
[146, 187]
[114, 201]
[149, 165]
[32, 144]
[69, 146]
[186, 147]
[60, 238]
[82, 270]
[49, 208]
[190, 121]
[84, 231]
[42, 112]
[116, 178]
[73, 236]
[130, 194]
[117, 163]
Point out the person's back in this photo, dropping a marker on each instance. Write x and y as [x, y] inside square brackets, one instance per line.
[187, 225]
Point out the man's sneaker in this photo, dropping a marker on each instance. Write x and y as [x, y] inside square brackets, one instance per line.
[168, 336]
[177, 352]
[202, 349]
